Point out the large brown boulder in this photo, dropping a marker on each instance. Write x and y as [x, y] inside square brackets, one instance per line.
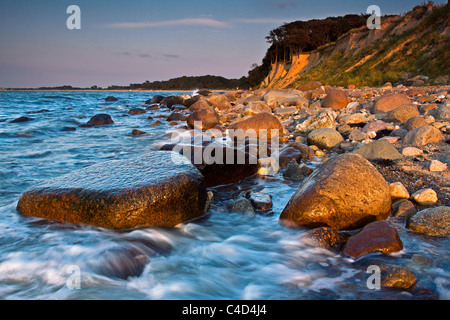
[158, 189]
[336, 99]
[389, 102]
[378, 236]
[261, 121]
[402, 113]
[207, 117]
[346, 192]
[199, 105]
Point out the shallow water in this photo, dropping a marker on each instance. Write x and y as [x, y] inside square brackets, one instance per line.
[222, 256]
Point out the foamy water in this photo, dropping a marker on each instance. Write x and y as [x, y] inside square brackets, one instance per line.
[222, 256]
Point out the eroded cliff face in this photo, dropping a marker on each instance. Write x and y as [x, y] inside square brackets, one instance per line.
[405, 46]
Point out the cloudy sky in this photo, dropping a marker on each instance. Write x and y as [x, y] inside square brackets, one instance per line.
[123, 42]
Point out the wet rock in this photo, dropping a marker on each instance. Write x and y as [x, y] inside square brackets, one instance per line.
[398, 191]
[422, 136]
[293, 171]
[415, 122]
[199, 105]
[173, 100]
[100, 120]
[289, 154]
[389, 102]
[324, 138]
[137, 132]
[402, 113]
[305, 150]
[403, 208]
[241, 205]
[425, 197]
[379, 236]
[260, 201]
[437, 166]
[208, 118]
[156, 99]
[177, 116]
[397, 277]
[323, 237]
[432, 221]
[135, 111]
[158, 189]
[68, 129]
[21, 120]
[336, 99]
[379, 150]
[346, 192]
[111, 99]
[262, 121]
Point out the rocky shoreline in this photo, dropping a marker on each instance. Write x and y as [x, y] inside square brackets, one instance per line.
[366, 157]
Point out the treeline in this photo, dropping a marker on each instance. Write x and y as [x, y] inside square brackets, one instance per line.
[192, 83]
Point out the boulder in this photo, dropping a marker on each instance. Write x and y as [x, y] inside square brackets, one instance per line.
[261, 121]
[289, 154]
[135, 111]
[111, 99]
[325, 119]
[158, 189]
[172, 100]
[309, 86]
[100, 120]
[389, 102]
[432, 221]
[323, 237]
[21, 120]
[272, 97]
[260, 201]
[346, 192]
[156, 99]
[443, 112]
[402, 113]
[397, 277]
[415, 122]
[379, 236]
[199, 105]
[422, 136]
[208, 118]
[137, 132]
[324, 138]
[379, 150]
[336, 99]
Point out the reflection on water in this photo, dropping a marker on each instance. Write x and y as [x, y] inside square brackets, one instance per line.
[222, 256]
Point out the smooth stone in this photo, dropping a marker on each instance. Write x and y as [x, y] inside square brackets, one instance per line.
[379, 236]
[324, 237]
[100, 120]
[411, 152]
[397, 278]
[241, 205]
[325, 138]
[437, 166]
[158, 189]
[379, 150]
[261, 201]
[293, 171]
[346, 192]
[432, 221]
[403, 208]
[422, 136]
[398, 191]
[335, 99]
[389, 102]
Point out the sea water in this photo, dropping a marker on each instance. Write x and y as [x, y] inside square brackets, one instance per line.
[224, 255]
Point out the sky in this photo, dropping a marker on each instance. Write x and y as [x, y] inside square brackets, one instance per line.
[133, 41]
